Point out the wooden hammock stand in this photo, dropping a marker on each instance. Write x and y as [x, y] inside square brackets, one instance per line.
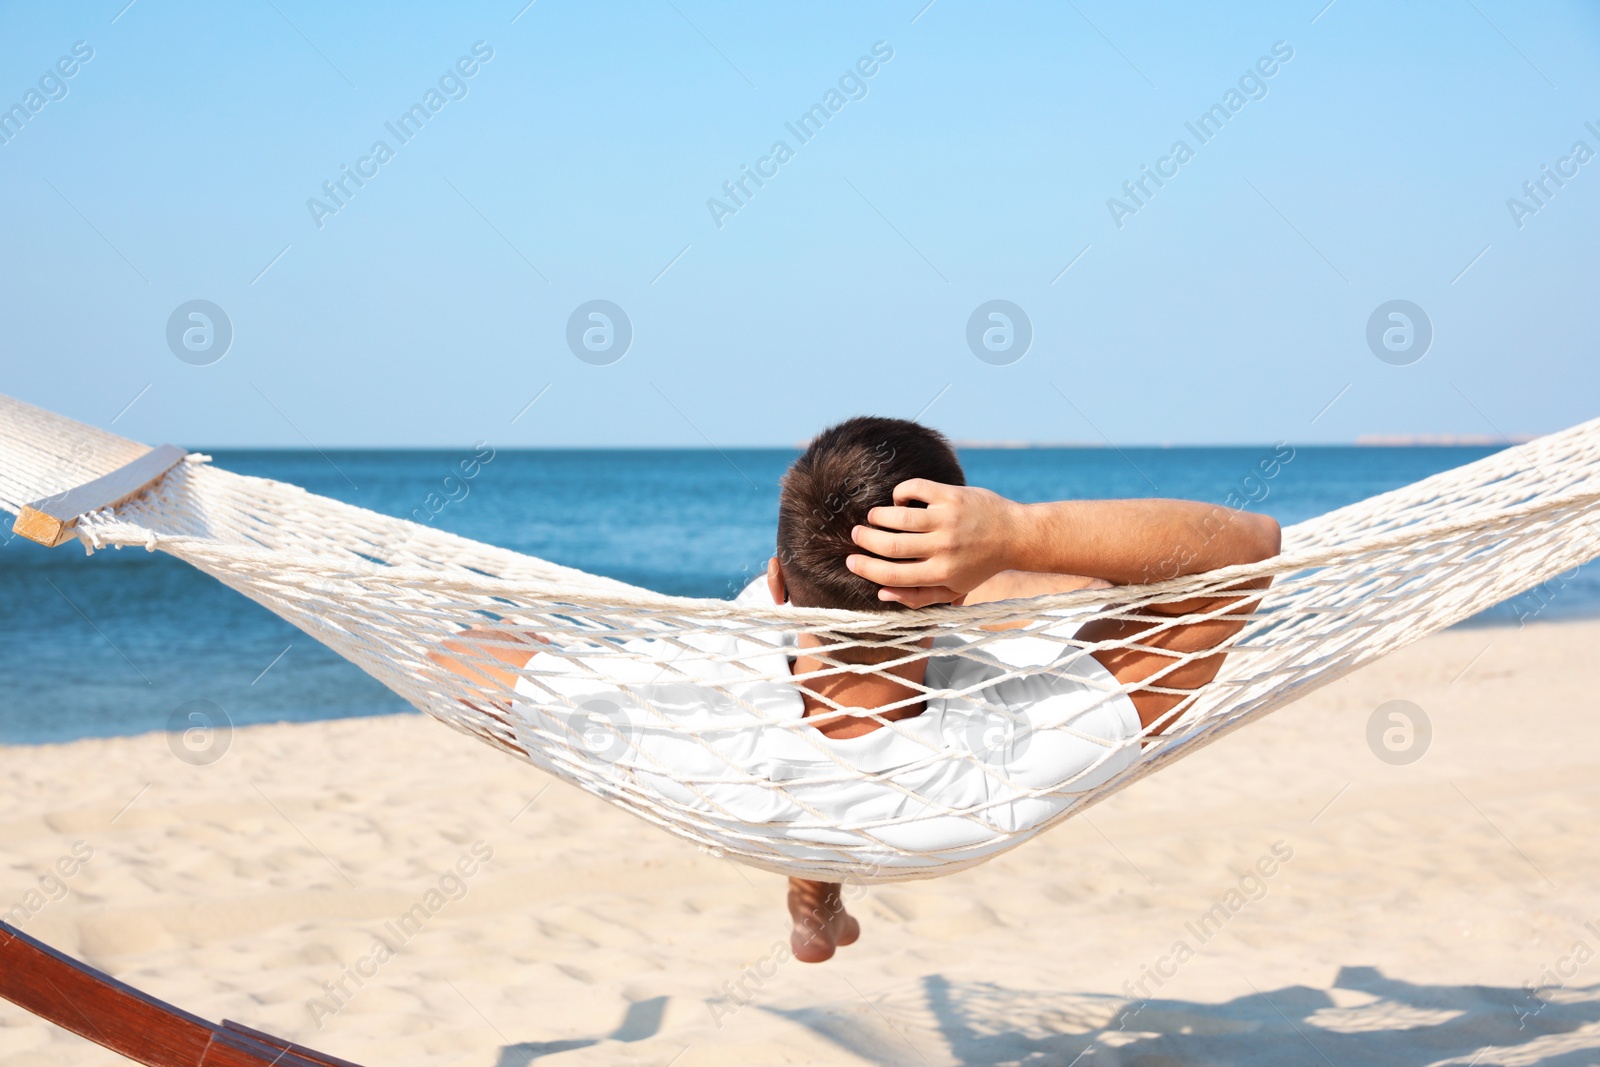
[96, 1006]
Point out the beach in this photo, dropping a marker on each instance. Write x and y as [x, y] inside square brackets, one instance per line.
[386, 890]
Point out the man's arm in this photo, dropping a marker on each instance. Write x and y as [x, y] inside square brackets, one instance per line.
[966, 535]
[474, 644]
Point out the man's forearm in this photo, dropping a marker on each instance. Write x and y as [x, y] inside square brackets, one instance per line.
[1133, 541]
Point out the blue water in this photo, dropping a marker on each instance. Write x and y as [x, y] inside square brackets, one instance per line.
[113, 644]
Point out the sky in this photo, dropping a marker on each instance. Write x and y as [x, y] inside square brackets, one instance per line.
[1347, 249]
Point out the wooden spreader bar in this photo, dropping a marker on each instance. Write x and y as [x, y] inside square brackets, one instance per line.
[79, 998]
[50, 521]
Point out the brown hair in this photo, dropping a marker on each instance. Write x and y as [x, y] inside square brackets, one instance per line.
[845, 472]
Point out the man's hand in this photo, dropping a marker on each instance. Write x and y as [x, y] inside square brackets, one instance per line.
[936, 554]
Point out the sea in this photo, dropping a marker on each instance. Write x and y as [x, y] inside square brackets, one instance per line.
[118, 642]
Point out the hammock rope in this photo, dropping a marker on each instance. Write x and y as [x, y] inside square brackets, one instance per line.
[1349, 587]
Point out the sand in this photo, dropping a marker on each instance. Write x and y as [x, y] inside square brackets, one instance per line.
[1406, 908]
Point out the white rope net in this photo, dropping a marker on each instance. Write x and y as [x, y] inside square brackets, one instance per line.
[682, 710]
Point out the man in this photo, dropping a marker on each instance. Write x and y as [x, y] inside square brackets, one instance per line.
[876, 516]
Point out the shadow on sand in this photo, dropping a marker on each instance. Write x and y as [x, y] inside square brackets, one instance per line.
[642, 1020]
[1365, 1020]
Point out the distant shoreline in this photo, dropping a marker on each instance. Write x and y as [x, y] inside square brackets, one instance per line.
[1421, 440]
[1440, 440]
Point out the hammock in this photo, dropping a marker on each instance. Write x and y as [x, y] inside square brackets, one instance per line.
[384, 593]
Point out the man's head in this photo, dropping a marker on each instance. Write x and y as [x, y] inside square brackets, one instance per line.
[845, 472]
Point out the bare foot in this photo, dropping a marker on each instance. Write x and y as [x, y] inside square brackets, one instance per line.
[820, 922]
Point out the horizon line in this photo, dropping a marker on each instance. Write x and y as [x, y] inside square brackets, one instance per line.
[1362, 441]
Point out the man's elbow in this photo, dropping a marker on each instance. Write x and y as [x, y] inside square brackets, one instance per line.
[1266, 538]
